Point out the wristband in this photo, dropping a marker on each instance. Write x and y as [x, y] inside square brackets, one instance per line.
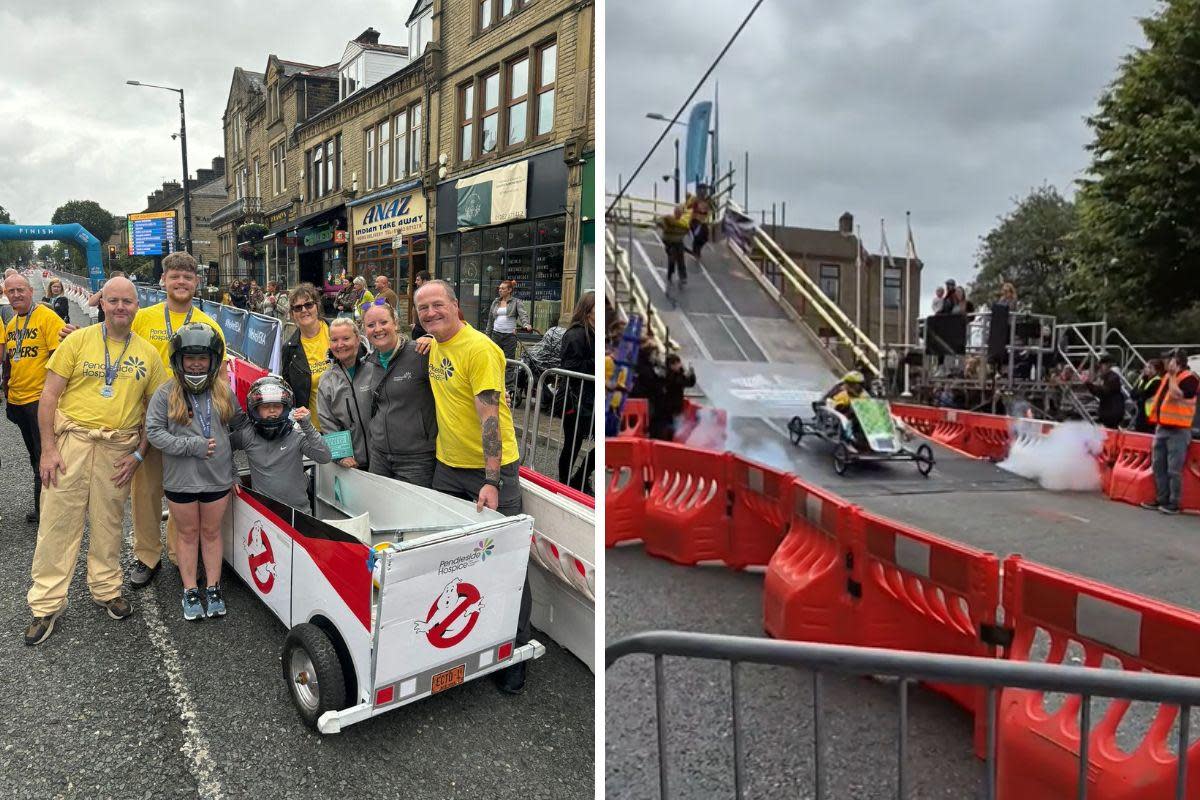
[492, 482]
[138, 456]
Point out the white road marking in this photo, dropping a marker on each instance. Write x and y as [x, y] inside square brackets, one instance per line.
[195, 745]
[736, 343]
[732, 312]
[687, 323]
[650, 266]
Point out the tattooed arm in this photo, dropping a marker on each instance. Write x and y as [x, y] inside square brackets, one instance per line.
[487, 406]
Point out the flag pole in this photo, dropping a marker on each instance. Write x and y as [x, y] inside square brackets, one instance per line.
[910, 250]
[858, 281]
[882, 250]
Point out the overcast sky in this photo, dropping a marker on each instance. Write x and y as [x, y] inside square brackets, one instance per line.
[943, 108]
[70, 129]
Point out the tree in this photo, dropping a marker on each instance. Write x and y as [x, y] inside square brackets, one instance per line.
[13, 253]
[90, 215]
[45, 252]
[1031, 248]
[1138, 246]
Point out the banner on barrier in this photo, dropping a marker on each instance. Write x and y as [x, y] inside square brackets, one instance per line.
[233, 325]
[259, 344]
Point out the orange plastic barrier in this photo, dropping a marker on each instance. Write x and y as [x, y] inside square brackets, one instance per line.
[635, 417]
[242, 373]
[762, 511]
[924, 593]
[687, 515]
[811, 587]
[1108, 459]
[1132, 480]
[989, 435]
[920, 418]
[1189, 495]
[626, 464]
[689, 420]
[1039, 749]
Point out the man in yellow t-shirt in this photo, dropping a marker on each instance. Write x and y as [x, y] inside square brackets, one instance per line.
[90, 418]
[30, 337]
[157, 324]
[477, 456]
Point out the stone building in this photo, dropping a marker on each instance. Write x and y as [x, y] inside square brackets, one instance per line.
[207, 195]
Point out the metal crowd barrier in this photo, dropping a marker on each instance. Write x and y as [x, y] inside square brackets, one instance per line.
[1087, 682]
[561, 381]
[523, 403]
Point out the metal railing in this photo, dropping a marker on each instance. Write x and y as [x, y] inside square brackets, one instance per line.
[1087, 682]
[565, 389]
[618, 258]
[241, 207]
[513, 369]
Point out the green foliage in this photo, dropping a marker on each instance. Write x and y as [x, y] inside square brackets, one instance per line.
[45, 252]
[13, 253]
[1031, 248]
[90, 215]
[1138, 246]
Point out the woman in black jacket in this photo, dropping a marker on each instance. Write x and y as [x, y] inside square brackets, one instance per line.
[305, 356]
[57, 300]
[579, 355]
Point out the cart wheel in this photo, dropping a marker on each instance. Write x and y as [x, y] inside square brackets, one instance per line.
[796, 429]
[841, 459]
[924, 460]
[313, 673]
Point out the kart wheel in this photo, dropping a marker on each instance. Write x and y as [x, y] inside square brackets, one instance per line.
[841, 459]
[924, 459]
[796, 430]
[313, 673]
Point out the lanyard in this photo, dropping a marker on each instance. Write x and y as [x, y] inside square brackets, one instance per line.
[205, 415]
[22, 331]
[167, 319]
[110, 371]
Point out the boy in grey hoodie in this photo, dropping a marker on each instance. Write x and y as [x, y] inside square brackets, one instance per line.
[275, 446]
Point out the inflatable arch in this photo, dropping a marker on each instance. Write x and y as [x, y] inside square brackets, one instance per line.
[73, 232]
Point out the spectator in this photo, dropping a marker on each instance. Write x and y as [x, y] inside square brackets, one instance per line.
[419, 280]
[6, 311]
[674, 228]
[255, 297]
[157, 324]
[700, 210]
[276, 446]
[1107, 389]
[477, 455]
[951, 293]
[57, 300]
[188, 420]
[669, 408]
[402, 431]
[239, 293]
[383, 288]
[939, 299]
[353, 296]
[1172, 410]
[647, 381]
[1008, 297]
[344, 396]
[305, 356]
[1144, 390]
[961, 304]
[506, 315]
[270, 299]
[31, 336]
[92, 443]
[579, 355]
[94, 300]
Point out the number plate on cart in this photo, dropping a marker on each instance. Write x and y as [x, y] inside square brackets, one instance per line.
[448, 679]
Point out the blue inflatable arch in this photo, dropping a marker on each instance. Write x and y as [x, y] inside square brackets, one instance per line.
[73, 232]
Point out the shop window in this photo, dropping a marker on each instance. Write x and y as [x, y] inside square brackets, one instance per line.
[520, 234]
[471, 241]
[448, 244]
[493, 238]
[553, 229]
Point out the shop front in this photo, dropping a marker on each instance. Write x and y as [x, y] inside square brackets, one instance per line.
[321, 248]
[506, 223]
[389, 237]
[279, 245]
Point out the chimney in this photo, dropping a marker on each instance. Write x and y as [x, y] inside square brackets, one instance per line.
[218, 165]
[846, 224]
[369, 36]
[203, 176]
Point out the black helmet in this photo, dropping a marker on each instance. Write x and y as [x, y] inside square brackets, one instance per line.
[197, 339]
[270, 389]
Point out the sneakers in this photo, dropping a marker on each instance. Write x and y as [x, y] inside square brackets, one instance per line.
[1169, 509]
[40, 629]
[215, 601]
[117, 608]
[511, 680]
[1150, 505]
[192, 609]
[140, 575]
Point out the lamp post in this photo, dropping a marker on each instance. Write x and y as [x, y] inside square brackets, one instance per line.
[711, 135]
[187, 192]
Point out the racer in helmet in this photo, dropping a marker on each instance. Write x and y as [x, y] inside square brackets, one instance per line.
[840, 398]
[197, 352]
[269, 406]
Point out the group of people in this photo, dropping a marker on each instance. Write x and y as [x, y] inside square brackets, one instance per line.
[662, 380]
[138, 407]
[693, 217]
[55, 298]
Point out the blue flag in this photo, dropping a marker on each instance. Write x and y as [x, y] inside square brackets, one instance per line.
[697, 143]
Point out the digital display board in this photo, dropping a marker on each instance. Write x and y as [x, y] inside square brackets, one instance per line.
[151, 234]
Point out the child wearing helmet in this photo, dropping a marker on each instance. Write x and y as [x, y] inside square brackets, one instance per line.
[840, 398]
[276, 446]
[188, 419]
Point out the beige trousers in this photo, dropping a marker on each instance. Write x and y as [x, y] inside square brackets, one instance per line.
[84, 492]
[145, 502]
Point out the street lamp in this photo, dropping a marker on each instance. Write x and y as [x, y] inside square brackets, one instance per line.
[712, 134]
[187, 192]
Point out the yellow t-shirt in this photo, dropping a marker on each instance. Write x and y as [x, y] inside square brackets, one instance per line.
[316, 352]
[80, 359]
[151, 325]
[39, 338]
[460, 369]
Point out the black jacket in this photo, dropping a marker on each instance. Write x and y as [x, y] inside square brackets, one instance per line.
[1112, 399]
[670, 404]
[293, 368]
[60, 306]
[579, 355]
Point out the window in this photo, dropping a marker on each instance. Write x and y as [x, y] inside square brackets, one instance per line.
[547, 66]
[324, 168]
[420, 33]
[237, 132]
[400, 145]
[242, 181]
[489, 126]
[350, 78]
[485, 14]
[370, 149]
[414, 137]
[891, 287]
[466, 116]
[517, 101]
[274, 110]
[257, 182]
[384, 139]
[318, 162]
[278, 169]
[831, 281]
[493, 11]
[331, 164]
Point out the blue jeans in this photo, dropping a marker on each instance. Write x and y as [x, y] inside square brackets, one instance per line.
[1170, 449]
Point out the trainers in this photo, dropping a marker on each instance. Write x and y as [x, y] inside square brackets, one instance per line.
[1150, 505]
[215, 601]
[192, 609]
[40, 629]
[140, 575]
[511, 680]
[117, 608]
[1169, 509]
